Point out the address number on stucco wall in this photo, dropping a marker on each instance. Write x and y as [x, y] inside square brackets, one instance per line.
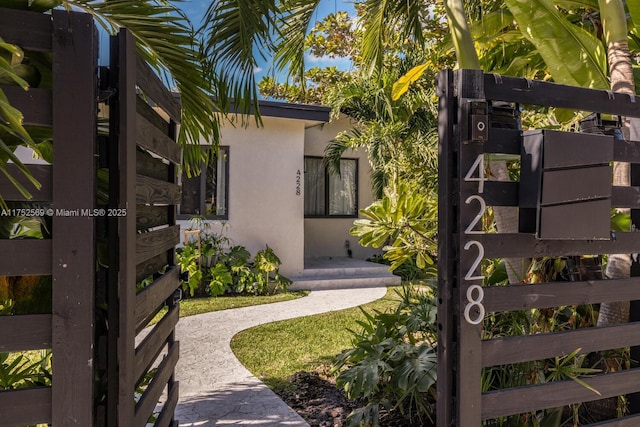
[298, 183]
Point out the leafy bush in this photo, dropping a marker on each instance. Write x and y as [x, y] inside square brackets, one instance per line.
[392, 365]
[267, 266]
[403, 223]
[214, 268]
[409, 271]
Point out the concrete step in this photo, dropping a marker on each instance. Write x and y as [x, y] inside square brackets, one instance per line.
[344, 281]
[364, 270]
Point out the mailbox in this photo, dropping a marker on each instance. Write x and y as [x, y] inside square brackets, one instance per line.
[565, 185]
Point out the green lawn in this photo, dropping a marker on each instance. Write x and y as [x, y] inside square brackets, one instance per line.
[189, 307]
[275, 351]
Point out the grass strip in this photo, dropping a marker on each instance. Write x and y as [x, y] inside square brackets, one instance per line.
[275, 351]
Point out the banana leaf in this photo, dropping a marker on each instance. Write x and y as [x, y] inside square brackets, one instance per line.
[574, 56]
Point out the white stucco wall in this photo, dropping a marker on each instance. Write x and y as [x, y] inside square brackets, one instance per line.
[263, 206]
[327, 236]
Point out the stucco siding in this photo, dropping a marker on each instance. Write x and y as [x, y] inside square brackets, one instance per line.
[264, 208]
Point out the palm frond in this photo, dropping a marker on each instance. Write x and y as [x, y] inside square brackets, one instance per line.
[336, 148]
[294, 20]
[165, 39]
[12, 131]
[235, 33]
[384, 17]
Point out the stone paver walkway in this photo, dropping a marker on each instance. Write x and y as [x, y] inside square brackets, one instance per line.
[215, 389]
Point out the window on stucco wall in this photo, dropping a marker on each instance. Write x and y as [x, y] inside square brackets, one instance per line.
[328, 194]
[207, 194]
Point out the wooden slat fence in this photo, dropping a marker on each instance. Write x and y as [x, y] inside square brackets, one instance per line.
[112, 263]
[462, 352]
[69, 256]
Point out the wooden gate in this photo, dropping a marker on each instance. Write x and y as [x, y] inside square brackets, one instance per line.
[564, 177]
[108, 200]
[142, 155]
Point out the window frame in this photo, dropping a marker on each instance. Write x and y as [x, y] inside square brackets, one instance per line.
[327, 191]
[203, 189]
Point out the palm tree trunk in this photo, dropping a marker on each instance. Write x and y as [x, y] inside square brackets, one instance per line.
[619, 265]
[621, 73]
[461, 35]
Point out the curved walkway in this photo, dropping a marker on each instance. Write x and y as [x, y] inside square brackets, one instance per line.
[215, 389]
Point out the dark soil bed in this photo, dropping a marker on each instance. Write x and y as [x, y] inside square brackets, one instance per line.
[316, 398]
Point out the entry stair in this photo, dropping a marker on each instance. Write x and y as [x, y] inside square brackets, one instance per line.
[342, 272]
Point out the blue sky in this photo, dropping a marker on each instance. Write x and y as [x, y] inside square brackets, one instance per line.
[196, 9]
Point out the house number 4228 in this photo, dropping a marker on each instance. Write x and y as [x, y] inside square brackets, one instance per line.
[298, 183]
[475, 302]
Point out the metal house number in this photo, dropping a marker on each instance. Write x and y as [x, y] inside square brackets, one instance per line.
[476, 301]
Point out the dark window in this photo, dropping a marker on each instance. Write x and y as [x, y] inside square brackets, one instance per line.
[329, 194]
[207, 194]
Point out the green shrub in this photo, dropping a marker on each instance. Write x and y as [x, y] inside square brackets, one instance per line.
[409, 270]
[267, 267]
[392, 366]
[216, 268]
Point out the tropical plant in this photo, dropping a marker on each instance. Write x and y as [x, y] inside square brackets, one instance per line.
[408, 272]
[267, 267]
[213, 268]
[188, 258]
[399, 136]
[392, 365]
[19, 370]
[237, 259]
[220, 280]
[403, 223]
